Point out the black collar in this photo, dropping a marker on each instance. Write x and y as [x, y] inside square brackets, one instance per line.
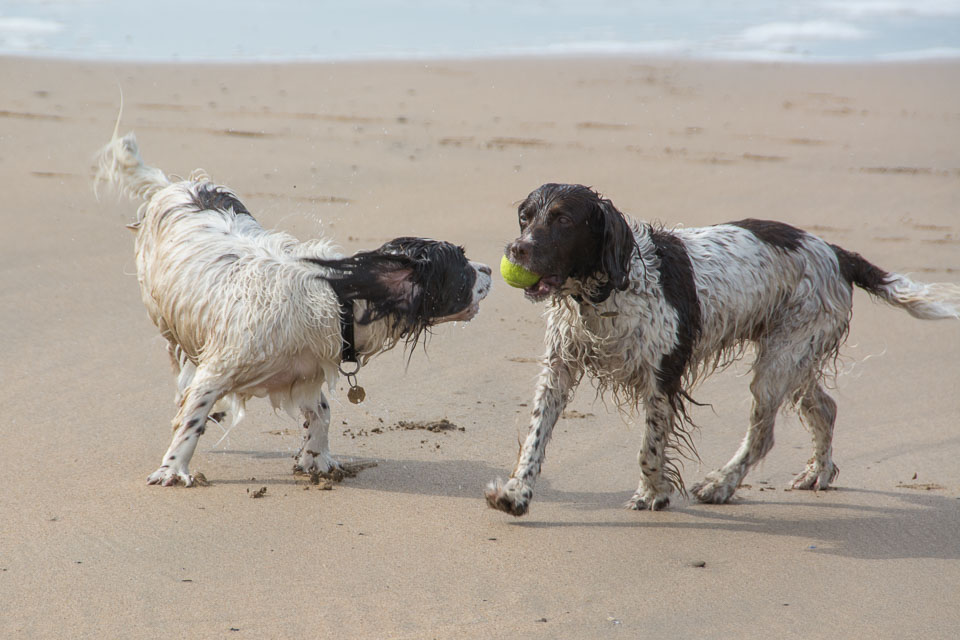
[349, 351]
[601, 296]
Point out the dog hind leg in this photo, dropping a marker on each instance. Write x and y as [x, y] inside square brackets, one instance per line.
[185, 370]
[770, 386]
[188, 425]
[314, 455]
[819, 412]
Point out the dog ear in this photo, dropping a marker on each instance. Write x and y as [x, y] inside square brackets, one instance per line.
[386, 281]
[616, 244]
[396, 277]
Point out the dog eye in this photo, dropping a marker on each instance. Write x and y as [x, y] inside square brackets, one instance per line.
[563, 220]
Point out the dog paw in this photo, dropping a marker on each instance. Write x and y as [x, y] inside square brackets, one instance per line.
[168, 476]
[816, 477]
[643, 502]
[713, 490]
[513, 497]
[313, 462]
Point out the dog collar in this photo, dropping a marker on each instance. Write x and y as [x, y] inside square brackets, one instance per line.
[601, 297]
[348, 353]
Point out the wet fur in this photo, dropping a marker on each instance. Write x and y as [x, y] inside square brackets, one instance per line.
[248, 312]
[646, 312]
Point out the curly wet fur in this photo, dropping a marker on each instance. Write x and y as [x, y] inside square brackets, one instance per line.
[695, 300]
[248, 312]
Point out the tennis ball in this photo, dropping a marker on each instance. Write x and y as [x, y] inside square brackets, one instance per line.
[516, 276]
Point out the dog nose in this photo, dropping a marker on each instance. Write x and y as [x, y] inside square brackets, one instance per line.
[518, 250]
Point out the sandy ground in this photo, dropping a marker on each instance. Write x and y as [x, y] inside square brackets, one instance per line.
[865, 156]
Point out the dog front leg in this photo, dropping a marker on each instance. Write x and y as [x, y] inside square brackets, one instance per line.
[314, 456]
[554, 388]
[654, 490]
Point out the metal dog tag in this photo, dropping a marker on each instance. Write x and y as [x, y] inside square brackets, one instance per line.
[356, 394]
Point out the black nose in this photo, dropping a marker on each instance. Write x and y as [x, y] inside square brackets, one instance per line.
[484, 269]
[518, 250]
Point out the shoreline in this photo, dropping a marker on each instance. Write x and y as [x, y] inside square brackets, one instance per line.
[599, 57]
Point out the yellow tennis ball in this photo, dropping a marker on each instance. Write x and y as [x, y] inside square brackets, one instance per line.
[516, 276]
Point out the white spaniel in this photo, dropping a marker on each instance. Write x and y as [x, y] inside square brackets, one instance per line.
[249, 312]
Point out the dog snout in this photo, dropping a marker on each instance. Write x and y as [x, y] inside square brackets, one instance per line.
[484, 279]
[481, 268]
[519, 250]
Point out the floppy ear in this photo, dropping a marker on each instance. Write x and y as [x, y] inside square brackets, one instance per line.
[397, 279]
[616, 245]
[385, 281]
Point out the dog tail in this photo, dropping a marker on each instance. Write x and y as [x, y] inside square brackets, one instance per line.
[119, 164]
[937, 301]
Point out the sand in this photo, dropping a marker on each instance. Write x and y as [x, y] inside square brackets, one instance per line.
[867, 157]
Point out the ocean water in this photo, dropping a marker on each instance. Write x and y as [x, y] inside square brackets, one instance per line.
[283, 30]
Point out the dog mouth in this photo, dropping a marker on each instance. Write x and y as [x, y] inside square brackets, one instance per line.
[466, 315]
[545, 286]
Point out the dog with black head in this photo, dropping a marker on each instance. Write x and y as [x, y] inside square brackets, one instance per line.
[569, 234]
[646, 312]
[250, 312]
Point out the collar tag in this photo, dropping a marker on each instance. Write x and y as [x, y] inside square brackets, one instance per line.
[348, 353]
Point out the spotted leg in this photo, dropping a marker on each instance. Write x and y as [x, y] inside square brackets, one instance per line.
[655, 487]
[554, 388]
[772, 381]
[819, 412]
[314, 456]
[185, 370]
[188, 425]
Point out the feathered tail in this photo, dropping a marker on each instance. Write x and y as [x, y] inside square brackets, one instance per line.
[937, 301]
[119, 164]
